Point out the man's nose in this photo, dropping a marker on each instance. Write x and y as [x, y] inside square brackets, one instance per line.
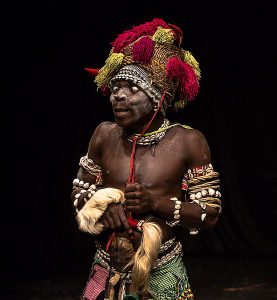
[121, 95]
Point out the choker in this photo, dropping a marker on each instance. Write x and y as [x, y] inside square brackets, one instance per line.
[150, 138]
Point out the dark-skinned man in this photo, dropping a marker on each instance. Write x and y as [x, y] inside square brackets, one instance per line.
[142, 176]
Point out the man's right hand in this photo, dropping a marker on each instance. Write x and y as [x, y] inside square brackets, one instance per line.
[115, 218]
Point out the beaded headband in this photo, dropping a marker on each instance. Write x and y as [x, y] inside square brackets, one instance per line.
[139, 77]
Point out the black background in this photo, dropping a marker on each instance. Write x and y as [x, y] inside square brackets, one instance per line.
[50, 108]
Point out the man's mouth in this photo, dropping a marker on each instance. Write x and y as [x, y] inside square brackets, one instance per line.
[120, 111]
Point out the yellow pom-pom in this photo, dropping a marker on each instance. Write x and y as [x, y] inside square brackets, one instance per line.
[189, 58]
[163, 36]
[112, 65]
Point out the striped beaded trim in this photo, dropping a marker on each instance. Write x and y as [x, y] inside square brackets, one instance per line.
[166, 258]
[167, 245]
[199, 171]
[103, 259]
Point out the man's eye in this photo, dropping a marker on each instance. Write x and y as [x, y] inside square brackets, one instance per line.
[134, 89]
[115, 88]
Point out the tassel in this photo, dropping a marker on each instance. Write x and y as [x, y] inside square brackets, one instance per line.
[163, 36]
[143, 50]
[146, 256]
[105, 90]
[184, 73]
[189, 58]
[112, 64]
[129, 36]
[178, 33]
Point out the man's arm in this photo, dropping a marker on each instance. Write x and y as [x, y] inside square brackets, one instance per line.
[89, 175]
[191, 212]
[202, 206]
[89, 180]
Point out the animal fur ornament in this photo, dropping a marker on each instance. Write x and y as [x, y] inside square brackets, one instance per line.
[88, 217]
[146, 255]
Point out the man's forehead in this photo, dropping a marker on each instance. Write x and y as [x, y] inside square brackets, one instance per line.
[123, 82]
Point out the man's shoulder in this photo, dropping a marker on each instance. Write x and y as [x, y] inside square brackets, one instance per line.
[106, 125]
[189, 134]
[104, 134]
[195, 145]
[106, 128]
[189, 139]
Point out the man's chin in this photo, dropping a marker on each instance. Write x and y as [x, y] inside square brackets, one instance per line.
[120, 121]
[124, 123]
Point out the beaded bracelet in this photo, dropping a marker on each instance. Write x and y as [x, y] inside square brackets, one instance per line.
[77, 183]
[89, 189]
[202, 217]
[177, 216]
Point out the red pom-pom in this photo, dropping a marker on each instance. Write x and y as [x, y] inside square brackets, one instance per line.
[143, 50]
[178, 69]
[129, 36]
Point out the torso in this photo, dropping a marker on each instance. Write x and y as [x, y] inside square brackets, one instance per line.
[162, 173]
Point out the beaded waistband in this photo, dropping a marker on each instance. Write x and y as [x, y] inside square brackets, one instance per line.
[103, 257]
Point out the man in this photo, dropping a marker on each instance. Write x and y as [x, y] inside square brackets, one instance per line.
[143, 176]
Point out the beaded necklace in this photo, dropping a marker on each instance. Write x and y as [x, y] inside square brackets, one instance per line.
[150, 138]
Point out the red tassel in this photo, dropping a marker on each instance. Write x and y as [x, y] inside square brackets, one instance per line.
[178, 69]
[129, 36]
[105, 90]
[143, 50]
[178, 33]
[92, 72]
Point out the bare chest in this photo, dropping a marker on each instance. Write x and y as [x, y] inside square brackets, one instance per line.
[161, 173]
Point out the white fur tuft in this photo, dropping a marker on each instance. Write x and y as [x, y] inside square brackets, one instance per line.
[88, 217]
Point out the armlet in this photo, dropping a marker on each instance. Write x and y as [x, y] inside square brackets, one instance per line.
[93, 169]
[203, 186]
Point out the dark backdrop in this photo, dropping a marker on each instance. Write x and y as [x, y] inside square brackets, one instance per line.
[50, 108]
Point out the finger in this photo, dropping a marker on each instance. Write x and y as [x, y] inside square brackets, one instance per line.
[110, 222]
[132, 202]
[117, 221]
[124, 221]
[132, 195]
[134, 208]
[105, 223]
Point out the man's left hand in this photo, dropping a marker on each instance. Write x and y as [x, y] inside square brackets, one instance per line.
[138, 199]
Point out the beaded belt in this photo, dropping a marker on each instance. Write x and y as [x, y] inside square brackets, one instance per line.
[103, 257]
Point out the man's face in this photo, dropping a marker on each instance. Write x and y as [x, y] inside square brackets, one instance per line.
[131, 106]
